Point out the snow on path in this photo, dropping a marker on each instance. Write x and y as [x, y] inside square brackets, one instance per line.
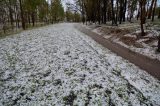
[58, 65]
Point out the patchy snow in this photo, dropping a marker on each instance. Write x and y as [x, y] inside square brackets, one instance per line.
[120, 42]
[153, 34]
[87, 27]
[146, 50]
[107, 36]
[97, 30]
[130, 35]
[155, 43]
[142, 40]
[58, 65]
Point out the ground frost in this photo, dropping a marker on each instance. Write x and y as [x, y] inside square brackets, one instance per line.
[58, 65]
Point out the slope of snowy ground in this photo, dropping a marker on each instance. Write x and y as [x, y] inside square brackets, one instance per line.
[149, 50]
[58, 65]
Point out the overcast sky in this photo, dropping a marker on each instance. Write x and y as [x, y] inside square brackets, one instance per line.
[64, 2]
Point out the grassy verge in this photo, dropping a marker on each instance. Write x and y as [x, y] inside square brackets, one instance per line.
[16, 31]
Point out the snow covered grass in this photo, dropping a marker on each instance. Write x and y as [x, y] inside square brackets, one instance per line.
[58, 65]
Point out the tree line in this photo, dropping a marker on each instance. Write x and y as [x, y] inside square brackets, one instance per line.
[118, 11]
[27, 13]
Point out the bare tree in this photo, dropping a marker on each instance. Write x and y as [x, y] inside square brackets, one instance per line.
[150, 9]
[142, 4]
[154, 8]
[22, 15]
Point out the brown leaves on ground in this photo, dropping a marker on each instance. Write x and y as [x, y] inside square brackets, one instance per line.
[128, 40]
[116, 32]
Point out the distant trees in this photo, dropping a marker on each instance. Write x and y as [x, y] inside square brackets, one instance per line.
[72, 16]
[72, 13]
[3, 15]
[16, 14]
[21, 13]
[57, 11]
[132, 5]
[44, 12]
[69, 15]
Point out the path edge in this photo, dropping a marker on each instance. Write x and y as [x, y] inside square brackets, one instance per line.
[151, 66]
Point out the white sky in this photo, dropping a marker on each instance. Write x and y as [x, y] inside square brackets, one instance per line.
[64, 2]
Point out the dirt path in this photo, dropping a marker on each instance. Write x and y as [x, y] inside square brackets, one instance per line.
[149, 65]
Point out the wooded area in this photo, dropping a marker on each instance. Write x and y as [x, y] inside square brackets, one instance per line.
[119, 11]
[27, 13]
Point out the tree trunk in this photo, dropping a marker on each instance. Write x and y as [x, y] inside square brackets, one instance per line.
[159, 14]
[150, 9]
[29, 21]
[10, 14]
[4, 27]
[22, 15]
[18, 21]
[83, 18]
[124, 10]
[138, 14]
[116, 19]
[99, 12]
[104, 11]
[147, 11]
[120, 12]
[108, 13]
[153, 13]
[143, 18]
[158, 44]
[113, 14]
[33, 18]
